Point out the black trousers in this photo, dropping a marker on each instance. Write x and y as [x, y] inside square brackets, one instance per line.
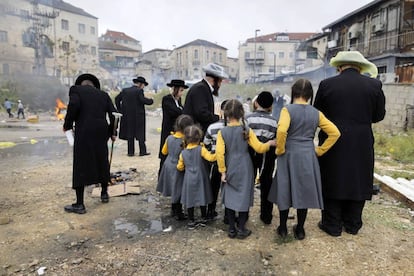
[266, 164]
[215, 182]
[131, 146]
[339, 214]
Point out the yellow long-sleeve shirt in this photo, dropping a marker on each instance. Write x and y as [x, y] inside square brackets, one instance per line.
[164, 149]
[221, 147]
[327, 126]
[211, 157]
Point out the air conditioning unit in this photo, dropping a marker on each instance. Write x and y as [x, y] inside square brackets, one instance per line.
[379, 27]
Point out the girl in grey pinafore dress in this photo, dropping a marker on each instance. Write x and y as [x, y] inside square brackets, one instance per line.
[297, 182]
[170, 180]
[196, 189]
[236, 166]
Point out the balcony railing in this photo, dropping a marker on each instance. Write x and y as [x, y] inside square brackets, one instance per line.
[406, 39]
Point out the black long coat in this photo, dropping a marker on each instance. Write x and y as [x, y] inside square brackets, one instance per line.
[88, 109]
[131, 103]
[170, 112]
[199, 104]
[352, 102]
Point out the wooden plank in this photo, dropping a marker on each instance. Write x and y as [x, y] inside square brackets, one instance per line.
[394, 190]
[118, 190]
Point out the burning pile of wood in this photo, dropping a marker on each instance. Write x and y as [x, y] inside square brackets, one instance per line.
[60, 109]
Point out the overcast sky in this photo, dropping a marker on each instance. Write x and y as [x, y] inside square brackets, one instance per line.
[164, 23]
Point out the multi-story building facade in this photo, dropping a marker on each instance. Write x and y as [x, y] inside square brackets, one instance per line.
[162, 65]
[191, 57]
[265, 57]
[119, 61]
[49, 37]
[382, 31]
[122, 39]
[15, 58]
[233, 69]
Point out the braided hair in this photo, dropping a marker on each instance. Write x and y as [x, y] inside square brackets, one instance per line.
[192, 134]
[182, 122]
[233, 109]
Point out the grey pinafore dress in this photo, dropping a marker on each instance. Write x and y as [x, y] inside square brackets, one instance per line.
[170, 182]
[239, 188]
[297, 182]
[196, 184]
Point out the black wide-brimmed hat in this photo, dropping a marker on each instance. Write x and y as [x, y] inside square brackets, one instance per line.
[90, 77]
[177, 83]
[141, 80]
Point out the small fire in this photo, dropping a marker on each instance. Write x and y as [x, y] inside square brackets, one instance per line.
[60, 109]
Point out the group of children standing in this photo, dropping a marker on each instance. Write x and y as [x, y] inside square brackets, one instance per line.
[232, 152]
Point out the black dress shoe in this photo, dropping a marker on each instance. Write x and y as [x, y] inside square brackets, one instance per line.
[145, 153]
[282, 232]
[299, 234]
[324, 229]
[75, 208]
[266, 220]
[243, 233]
[104, 198]
[180, 216]
[131, 154]
[352, 232]
[232, 234]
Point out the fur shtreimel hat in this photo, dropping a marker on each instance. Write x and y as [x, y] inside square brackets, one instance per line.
[265, 99]
[90, 77]
[357, 59]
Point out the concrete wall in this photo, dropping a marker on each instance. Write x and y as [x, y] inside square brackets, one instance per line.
[399, 104]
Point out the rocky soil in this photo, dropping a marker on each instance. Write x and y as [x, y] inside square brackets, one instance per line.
[135, 235]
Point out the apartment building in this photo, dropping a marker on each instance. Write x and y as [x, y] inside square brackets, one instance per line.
[119, 61]
[122, 39]
[15, 19]
[48, 37]
[383, 32]
[233, 69]
[191, 57]
[162, 64]
[266, 57]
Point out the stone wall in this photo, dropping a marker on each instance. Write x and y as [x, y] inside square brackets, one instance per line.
[399, 106]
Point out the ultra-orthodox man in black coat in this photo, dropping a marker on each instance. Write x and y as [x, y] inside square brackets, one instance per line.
[88, 110]
[131, 103]
[199, 104]
[352, 101]
[170, 112]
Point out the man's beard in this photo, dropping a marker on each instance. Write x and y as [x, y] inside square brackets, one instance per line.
[215, 89]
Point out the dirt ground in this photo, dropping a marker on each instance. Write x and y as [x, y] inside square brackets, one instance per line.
[126, 237]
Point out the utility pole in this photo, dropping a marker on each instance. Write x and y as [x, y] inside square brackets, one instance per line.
[254, 64]
[35, 37]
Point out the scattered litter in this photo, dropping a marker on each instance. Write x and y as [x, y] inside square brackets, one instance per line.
[168, 229]
[4, 145]
[41, 270]
[33, 119]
